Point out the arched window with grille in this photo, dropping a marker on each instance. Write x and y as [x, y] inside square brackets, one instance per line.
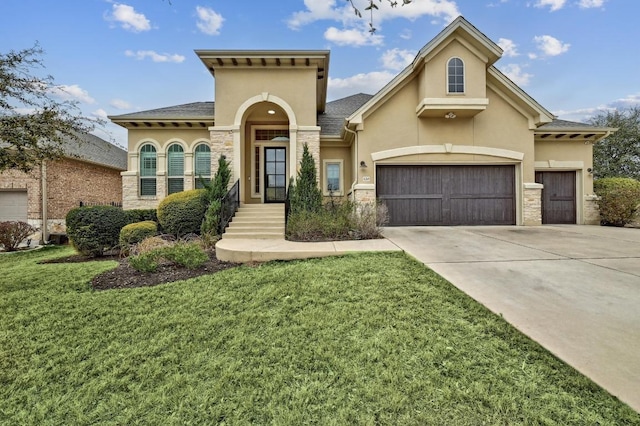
[148, 168]
[455, 76]
[175, 169]
[202, 165]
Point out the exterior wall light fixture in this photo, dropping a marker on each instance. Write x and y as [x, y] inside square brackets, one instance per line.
[363, 164]
[450, 115]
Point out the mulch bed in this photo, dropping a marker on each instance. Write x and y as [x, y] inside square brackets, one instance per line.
[124, 276]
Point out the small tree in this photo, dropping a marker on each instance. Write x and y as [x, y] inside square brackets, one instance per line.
[305, 194]
[618, 155]
[215, 193]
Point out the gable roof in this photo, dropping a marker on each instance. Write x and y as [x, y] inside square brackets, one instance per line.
[336, 112]
[482, 45]
[96, 150]
[194, 110]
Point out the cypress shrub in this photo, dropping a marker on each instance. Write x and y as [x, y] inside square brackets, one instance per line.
[304, 193]
[619, 200]
[215, 193]
[92, 230]
[182, 213]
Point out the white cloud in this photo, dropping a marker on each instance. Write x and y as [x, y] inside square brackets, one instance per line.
[360, 83]
[352, 37]
[120, 104]
[397, 59]
[318, 10]
[72, 93]
[100, 113]
[550, 46]
[128, 18]
[587, 4]
[508, 46]
[516, 74]
[553, 4]
[405, 34]
[584, 114]
[155, 57]
[209, 21]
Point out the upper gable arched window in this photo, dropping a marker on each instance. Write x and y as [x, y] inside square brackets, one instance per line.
[175, 169]
[455, 76]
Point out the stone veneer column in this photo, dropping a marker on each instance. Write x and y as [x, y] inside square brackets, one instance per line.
[532, 206]
[223, 142]
[591, 210]
[310, 136]
[364, 193]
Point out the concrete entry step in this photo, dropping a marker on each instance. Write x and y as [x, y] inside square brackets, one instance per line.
[257, 221]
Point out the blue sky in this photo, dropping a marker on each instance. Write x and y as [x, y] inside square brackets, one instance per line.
[575, 57]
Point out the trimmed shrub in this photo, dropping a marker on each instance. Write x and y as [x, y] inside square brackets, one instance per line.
[12, 233]
[150, 244]
[134, 233]
[141, 215]
[92, 230]
[182, 213]
[619, 200]
[190, 255]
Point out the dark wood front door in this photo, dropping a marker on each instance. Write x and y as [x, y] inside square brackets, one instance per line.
[448, 195]
[275, 174]
[558, 197]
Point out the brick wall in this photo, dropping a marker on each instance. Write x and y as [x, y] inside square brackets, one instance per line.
[12, 179]
[71, 181]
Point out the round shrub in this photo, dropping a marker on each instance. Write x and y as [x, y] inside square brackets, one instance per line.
[94, 229]
[619, 200]
[133, 233]
[141, 215]
[182, 213]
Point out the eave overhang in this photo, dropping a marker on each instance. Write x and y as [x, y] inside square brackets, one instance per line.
[154, 123]
[585, 134]
[274, 59]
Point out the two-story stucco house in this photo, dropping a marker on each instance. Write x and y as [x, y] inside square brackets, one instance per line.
[449, 141]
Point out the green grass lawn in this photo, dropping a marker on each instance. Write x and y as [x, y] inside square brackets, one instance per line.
[362, 339]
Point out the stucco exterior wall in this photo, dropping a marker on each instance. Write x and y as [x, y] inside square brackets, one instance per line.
[566, 155]
[296, 86]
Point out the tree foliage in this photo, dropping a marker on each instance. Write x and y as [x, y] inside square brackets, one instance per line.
[215, 193]
[33, 125]
[618, 155]
[373, 6]
[304, 193]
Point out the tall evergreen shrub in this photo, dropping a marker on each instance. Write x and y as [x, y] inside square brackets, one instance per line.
[304, 193]
[215, 193]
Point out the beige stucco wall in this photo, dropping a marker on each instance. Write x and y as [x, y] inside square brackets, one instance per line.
[338, 153]
[433, 80]
[296, 86]
[566, 155]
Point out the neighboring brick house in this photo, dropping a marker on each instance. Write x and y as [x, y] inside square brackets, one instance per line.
[90, 173]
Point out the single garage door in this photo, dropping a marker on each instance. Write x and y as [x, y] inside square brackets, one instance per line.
[558, 197]
[13, 205]
[448, 195]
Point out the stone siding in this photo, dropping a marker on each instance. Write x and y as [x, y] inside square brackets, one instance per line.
[312, 139]
[591, 210]
[532, 208]
[221, 144]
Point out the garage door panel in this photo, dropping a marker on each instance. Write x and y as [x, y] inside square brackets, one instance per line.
[13, 206]
[448, 195]
[558, 197]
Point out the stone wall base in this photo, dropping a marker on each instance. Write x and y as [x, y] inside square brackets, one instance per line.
[591, 210]
[532, 205]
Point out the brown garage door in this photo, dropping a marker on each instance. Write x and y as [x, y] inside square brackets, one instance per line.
[558, 197]
[448, 195]
[13, 205]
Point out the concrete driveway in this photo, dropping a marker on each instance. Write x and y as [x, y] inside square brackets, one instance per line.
[574, 289]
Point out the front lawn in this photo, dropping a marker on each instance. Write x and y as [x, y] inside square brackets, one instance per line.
[362, 339]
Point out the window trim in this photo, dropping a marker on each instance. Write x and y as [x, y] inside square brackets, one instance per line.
[168, 159]
[153, 177]
[464, 78]
[325, 180]
[195, 169]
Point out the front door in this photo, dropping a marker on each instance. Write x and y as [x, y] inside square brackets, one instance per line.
[275, 174]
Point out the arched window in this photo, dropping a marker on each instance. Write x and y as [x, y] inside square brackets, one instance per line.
[148, 167]
[455, 75]
[202, 165]
[175, 169]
